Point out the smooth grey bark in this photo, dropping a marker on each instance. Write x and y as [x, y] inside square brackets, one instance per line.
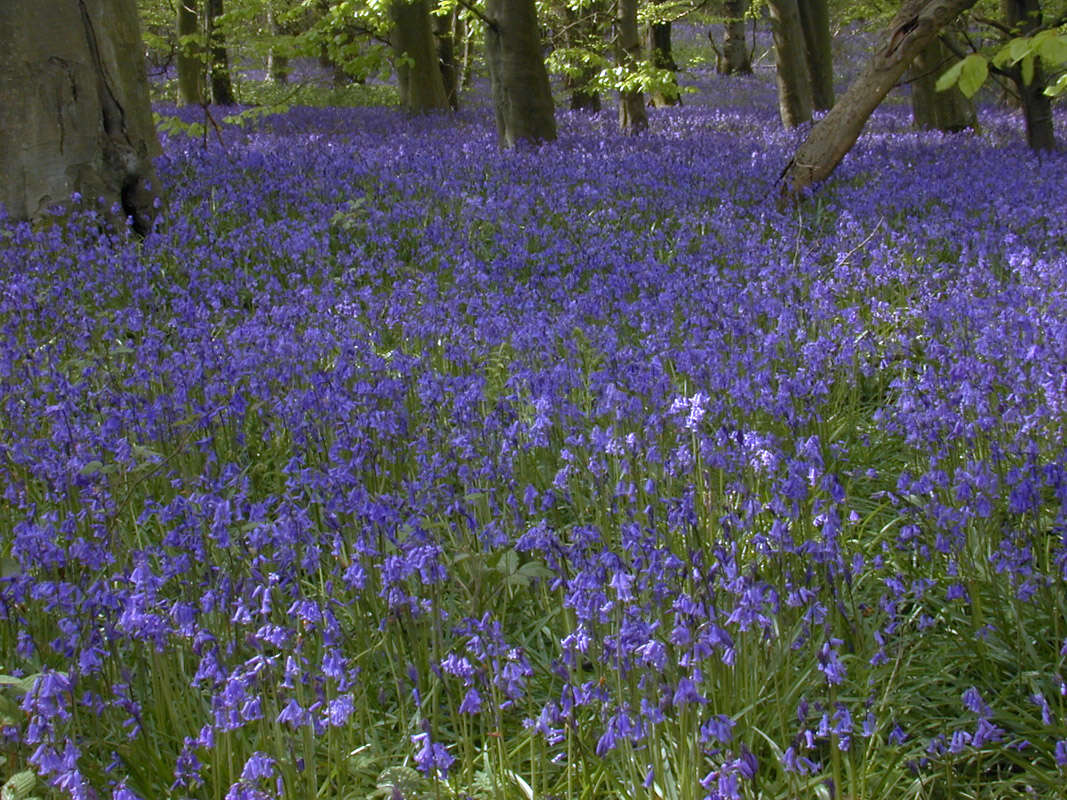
[662, 57]
[795, 101]
[522, 99]
[422, 86]
[736, 58]
[913, 27]
[1024, 17]
[74, 108]
[221, 85]
[949, 110]
[190, 59]
[815, 23]
[632, 115]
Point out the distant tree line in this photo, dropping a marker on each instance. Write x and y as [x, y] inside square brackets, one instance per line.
[946, 49]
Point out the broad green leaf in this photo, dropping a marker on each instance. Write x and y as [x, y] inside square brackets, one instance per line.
[1019, 48]
[950, 77]
[974, 70]
[18, 786]
[1053, 50]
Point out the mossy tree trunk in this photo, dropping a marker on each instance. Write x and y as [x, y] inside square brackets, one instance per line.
[190, 59]
[74, 108]
[795, 102]
[221, 84]
[522, 99]
[662, 57]
[736, 59]
[422, 86]
[949, 110]
[815, 23]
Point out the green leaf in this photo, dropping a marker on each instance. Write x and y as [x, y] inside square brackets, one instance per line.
[508, 563]
[1018, 49]
[1058, 88]
[1028, 69]
[1053, 50]
[91, 468]
[973, 73]
[18, 786]
[950, 77]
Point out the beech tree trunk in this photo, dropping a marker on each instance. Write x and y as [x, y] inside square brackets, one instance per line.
[221, 85]
[949, 110]
[74, 108]
[1024, 17]
[915, 25]
[632, 115]
[795, 102]
[815, 23]
[522, 99]
[736, 59]
[422, 86]
[190, 60]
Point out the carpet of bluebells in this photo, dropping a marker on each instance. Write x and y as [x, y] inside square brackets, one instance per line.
[391, 464]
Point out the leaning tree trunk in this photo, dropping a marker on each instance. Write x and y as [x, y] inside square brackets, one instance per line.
[915, 25]
[632, 115]
[422, 88]
[815, 23]
[74, 108]
[795, 101]
[736, 59]
[950, 110]
[522, 99]
[1024, 18]
[221, 85]
[190, 60]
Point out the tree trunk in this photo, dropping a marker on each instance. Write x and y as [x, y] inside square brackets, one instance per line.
[949, 110]
[74, 108]
[422, 87]
[815, 23]
[190, 61]
[277, 62]
[1024, 17]
[915, 25]
[736, 59]
[446, 33]
[221, 85]
[795, 101]
[522, 99]
[632, 115]
[659, 51]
